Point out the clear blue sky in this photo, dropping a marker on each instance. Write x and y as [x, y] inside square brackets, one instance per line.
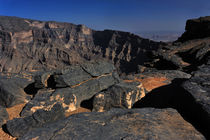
[126, 15]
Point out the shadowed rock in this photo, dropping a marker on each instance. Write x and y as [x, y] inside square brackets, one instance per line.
[196, 28]
[175, 96]
[199, 88]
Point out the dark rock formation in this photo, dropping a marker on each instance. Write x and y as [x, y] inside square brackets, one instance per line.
[28, 45]
[20, 126]
[122, 95]
[132, 124]
[12, 90]
[196, 28]
[3, 115]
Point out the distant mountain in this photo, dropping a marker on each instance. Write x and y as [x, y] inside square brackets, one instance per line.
[165, 36]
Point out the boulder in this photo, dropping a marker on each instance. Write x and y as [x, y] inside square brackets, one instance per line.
[20, 126]
[12, 90]
[122, 95]
[147, 123]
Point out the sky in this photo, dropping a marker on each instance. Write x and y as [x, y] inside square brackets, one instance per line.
[125, 15]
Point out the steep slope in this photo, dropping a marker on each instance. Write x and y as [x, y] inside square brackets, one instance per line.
[28, 45]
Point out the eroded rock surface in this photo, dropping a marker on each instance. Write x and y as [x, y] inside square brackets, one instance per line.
[132, 124]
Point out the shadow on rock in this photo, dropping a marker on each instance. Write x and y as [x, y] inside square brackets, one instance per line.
[174, 96]
[88, 104]
[31, 89]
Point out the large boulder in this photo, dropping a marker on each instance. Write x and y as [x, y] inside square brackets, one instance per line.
[12, 90]
[147, 123]
[122, 95]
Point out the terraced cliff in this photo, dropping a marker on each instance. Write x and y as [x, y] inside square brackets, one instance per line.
[30, 45]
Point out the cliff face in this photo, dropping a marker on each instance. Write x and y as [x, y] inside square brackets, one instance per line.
[29, 45]
[196, 28]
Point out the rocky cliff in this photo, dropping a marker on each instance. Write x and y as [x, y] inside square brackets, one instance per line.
[196, 29]
[30, 45]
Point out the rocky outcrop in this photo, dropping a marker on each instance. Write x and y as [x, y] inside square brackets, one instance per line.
[71, 86]
[121, 95]
[183, 56]
[196, 28]
[133, 124]
[30, 45]
[68, 93]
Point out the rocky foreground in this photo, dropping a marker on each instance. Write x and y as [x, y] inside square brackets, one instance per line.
[66, 81]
